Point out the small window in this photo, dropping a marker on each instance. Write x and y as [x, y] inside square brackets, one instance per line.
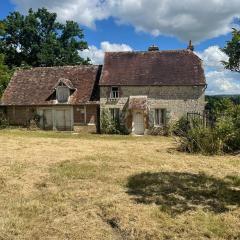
[160, 117]
[114, 93]
[63, 94]
[114, 113]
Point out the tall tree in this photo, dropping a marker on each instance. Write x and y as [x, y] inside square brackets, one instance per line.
[232, 49]
[37, 39]
[5, 75]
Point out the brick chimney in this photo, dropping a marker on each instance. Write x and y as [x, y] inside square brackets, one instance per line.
[153, 48]
[190, 46]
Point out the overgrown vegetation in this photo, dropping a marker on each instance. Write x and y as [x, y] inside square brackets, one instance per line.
[109, 125]
[222, 136]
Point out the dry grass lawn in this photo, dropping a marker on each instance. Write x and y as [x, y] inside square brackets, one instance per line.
[86, 186]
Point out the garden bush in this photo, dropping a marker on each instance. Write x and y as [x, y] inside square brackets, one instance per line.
[3, 122]
[200, 139]
[108, 124]
[223, 137]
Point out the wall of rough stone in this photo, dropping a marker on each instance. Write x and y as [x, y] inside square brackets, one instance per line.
[19, 115]
[177, 100]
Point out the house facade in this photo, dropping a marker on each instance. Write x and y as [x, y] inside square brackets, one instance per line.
[144, 91]
[148, 90]
[61, 97]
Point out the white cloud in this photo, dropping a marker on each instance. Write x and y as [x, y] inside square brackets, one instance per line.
[184, 19]
[97, 54]
[220, 80]
[213, 57]
[223, 82]
[83, 11]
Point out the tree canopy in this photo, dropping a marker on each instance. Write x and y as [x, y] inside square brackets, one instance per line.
[5, 74]
[38, 39]
[232, 49]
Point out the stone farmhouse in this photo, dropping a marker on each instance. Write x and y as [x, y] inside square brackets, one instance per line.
[143, 90]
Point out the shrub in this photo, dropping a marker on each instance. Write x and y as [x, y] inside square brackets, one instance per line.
[201, 140]
[3, 122]
[181, 127]
[108, 125]
[223, 137]
[228, 128]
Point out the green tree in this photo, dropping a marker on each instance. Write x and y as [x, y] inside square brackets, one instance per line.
[232, 49]
[37, 39]
[5, 75]
[218, 105]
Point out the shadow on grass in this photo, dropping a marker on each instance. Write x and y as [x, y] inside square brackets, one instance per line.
[177, 192]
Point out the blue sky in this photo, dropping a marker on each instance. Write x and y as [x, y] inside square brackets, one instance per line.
[123, 25]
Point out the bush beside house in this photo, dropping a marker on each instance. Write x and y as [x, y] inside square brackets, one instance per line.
[223, 137]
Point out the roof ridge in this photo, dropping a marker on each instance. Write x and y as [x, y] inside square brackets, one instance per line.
[160, 51]
[57, 67]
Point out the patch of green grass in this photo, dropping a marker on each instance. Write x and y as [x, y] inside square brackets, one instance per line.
[235, 180]
[212, 225]
[67, 171]
[23, 132]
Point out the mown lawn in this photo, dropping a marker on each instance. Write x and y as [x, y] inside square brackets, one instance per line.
[86, 186]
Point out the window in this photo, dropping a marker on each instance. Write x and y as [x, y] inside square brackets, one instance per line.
[114, 93]
[63, 94]
[160, 117]
[114, 113]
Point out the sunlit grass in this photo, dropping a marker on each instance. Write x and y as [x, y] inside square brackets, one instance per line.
[87, 186]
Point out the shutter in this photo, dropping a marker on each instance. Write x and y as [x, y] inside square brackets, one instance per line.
[122, 117]
[108, 92]
[151, 116]
[167, 116]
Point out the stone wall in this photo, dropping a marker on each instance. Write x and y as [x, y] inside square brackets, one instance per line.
[20, 115]
[177, 100]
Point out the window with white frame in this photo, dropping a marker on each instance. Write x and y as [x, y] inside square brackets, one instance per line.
[114, 93]
[160, 117]
[114, 113]
[63, 94]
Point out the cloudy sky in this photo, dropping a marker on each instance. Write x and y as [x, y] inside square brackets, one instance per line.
[126, 25]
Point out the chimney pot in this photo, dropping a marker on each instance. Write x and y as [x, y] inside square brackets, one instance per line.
[153, 48]
[190, 46]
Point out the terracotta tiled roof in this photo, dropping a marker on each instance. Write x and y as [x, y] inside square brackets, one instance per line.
[179, 67]
[137, 102]
[34, 86]
[66, 82]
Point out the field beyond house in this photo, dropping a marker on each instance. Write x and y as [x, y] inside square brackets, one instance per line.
[88, 186]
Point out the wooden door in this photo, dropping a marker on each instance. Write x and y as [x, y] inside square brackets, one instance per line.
[63, 119]
[138, 123]
[47, 119]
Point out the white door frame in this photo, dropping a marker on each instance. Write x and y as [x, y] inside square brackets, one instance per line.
[133, 124]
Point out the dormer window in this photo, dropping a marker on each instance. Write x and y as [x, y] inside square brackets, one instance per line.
[62, 94]
[114, 93]
[62, 90]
